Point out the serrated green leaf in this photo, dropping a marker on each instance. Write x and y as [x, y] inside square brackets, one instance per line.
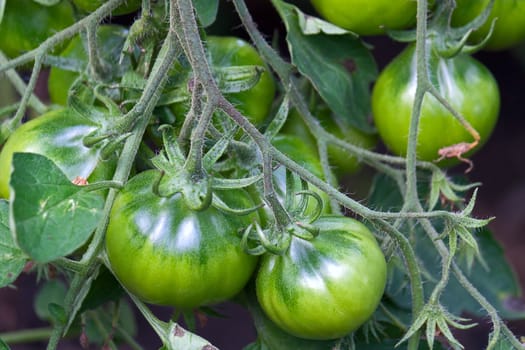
[12, 259]
[51, 217]
[498, 284]
[340, 67]
[206, 11]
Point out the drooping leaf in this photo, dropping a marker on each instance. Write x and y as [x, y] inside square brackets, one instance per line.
[340, 66]
[498, 284]
[206, 11]
[12, 259]
[51, 217]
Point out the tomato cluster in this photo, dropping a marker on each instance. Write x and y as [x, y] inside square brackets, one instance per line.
[329, 275]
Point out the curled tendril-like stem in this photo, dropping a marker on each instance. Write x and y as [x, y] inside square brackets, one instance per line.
[304, 231]
[318, 208]
[273, 240]
[219, 204]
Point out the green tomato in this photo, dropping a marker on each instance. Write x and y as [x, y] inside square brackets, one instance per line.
[509, 29]
[57, 135]
[342, 162]
[327, 287]
[254, 103]
[368, 17]
[167, 254]
[26, 24]
[465, 83]
[305, 155]
[129, 6]
[110, 40]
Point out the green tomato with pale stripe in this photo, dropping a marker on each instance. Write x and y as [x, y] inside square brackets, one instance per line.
[327, 287]
[167, 254]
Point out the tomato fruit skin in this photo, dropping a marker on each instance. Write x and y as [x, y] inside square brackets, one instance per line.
[464, 82]
[325, 288]
[110, 39]
[58, 135]
[167, 254]
[366, 17]
[91, 5]
[509, 29]
[21, 34]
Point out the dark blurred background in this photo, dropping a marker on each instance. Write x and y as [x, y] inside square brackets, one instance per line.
[499, 166]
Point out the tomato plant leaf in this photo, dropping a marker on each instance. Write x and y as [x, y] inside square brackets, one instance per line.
[103, 289]
[206, 11]
[498, 284]
[51, 216]
[3, 345]
[179, 338]
[312, 25]
[12, 259]
[51, 292]
[340, 67]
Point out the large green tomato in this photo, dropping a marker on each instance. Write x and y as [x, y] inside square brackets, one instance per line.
[129, 6]
[343, 163]
[26, 24]
[167, 254]
[327, 287]
[509, 29]
[465, 83]
[57, 135]
[110, 40]
[368, 17]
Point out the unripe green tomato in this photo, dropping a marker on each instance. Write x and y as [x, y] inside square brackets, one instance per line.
[509, 29]
[168, 254]
[110, 40]
[327, 287]
[465, 83]
[129, 6]
[58, 135]
[26, 24]
[368, 17]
